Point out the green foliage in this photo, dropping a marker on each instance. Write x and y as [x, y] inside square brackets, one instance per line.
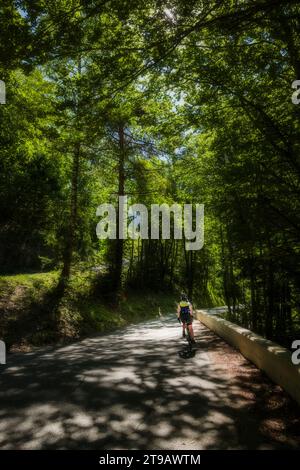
[29, 322]
[186, 102]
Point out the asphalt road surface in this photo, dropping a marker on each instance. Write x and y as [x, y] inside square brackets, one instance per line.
[126, 390]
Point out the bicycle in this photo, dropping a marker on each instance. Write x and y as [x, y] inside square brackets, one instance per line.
[187, 351]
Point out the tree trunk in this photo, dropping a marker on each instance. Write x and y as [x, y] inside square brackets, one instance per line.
[71, 231]
[271, 307]
[119, 246]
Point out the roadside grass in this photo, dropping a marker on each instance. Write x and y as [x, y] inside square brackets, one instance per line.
[33, 315]
[133, 308]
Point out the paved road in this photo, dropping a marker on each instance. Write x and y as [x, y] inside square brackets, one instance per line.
[127, 390]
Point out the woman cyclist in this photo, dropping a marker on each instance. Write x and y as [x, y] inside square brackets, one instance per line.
[185, 316]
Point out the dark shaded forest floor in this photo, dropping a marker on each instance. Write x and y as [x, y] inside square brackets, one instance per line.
[283, 336]
[279, 415]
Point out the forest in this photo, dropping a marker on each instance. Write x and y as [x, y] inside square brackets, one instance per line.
[163, 102]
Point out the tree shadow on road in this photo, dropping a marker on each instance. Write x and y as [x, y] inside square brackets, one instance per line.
[125, 391]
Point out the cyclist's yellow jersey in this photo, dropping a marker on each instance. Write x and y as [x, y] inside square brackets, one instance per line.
[184, 306]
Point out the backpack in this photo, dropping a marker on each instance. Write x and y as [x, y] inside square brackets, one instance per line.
[184, 307]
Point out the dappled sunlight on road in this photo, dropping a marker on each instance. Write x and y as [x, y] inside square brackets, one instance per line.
[126, 390]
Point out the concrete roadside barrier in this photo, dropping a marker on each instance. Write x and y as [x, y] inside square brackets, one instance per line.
[270, 357]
